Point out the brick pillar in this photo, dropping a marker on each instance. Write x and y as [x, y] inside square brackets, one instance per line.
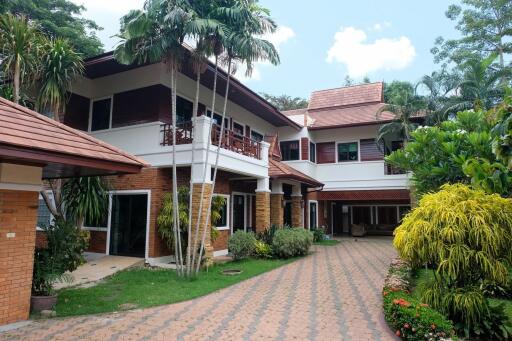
[18, 219]
[196, 196]
[276, 209]
[262, 211]
[297, 211]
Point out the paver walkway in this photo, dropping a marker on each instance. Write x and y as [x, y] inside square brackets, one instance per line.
[334, 294]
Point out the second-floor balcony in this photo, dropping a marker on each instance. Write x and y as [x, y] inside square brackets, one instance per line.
[230, 140]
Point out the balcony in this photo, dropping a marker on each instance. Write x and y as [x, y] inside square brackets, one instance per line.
[230, 141]
[390, 170]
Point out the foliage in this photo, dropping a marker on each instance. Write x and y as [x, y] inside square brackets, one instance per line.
[262, 249]
[85, 199]
[465, 234]
[61, 19]
[437, 155]
[412, 320]
[267, 236]
[147, 287]
[242, 244]
[318, 234]
[60, 66]
[286, 102]
[63, 252]
[292, 242]
[394, 91]
[502, 131]
[485, 27]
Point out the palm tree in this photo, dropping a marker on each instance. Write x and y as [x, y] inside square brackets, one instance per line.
[245, 21]
[154, 34]
[60, 66]
[438, 85]
[20, 51]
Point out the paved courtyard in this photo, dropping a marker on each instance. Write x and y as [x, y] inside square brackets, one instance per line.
[334, 294]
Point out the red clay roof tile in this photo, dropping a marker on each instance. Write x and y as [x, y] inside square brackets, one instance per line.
[280, 170]
[346, 96]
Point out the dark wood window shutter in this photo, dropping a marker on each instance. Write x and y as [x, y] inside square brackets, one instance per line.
[370, 150]
[326, 152]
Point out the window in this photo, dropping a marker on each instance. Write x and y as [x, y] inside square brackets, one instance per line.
[290, 150]
[347, 152]
[361, 215]
[312, 152]
[184, 109]
[218, 118]
[313, 215]
[256, 136]
[395, 145]
[402, 211]
[44, 216]
[238, 129]
[222, 223]
[387, 215]
[101, 112]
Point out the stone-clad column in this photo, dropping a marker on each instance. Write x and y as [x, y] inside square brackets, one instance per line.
[276, 204]
[196, 184]
[262, 205]
[297, 206]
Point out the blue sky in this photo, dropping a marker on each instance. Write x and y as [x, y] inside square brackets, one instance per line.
[322, 41]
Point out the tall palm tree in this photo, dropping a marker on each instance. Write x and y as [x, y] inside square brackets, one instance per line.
[60, 66]
[19, 51]
[154, 34]
[246, 21]
[438, 86]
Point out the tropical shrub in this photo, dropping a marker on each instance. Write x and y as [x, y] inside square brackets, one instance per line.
[62, 252]
[262, 249]
[267, 235]
[465, 235]
[292, 242]
[318, 234]
[242, 244]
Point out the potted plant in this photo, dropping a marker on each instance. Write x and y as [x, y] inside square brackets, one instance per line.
[61, 254]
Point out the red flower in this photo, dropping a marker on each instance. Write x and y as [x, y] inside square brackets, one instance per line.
[407, 326]
[401, 302]
[397, 333]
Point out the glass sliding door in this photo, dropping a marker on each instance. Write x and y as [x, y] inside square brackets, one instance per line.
[128, 225]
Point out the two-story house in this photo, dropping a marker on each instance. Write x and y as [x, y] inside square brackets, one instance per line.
[337, 147]
[318, 166]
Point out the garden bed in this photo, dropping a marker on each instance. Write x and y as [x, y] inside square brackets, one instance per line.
[147, 287]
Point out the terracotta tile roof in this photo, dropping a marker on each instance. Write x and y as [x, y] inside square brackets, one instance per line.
[366, 195]
[280, 170]
[25, 130]
[346, 96]
[295, 112]
[349, 116]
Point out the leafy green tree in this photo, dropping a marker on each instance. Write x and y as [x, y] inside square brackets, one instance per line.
[485, 27]
[21, 42]
[286, 102]
[464, 235]
[397, 92]
[60, 18]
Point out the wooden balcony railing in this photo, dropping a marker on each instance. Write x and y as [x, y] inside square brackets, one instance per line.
[231, 140]
[236, 142]
[184, 133]
[390, 170]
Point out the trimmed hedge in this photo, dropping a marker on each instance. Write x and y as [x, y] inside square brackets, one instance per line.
[242, 244]
[292, 242]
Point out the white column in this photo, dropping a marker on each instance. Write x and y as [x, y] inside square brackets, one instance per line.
[263, 185]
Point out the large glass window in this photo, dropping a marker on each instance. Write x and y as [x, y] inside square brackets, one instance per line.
[223, 221]
[290, 150]
[312, 152]
[348, 152]
[402, 211]
[361, 215]
[217, 119]
[100, 114]
[256, 136]
[184, 109]
[238, 129]
[44, 216]
[313, 215]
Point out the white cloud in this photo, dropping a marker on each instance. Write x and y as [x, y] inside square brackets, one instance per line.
[381, 26]
[351, 48]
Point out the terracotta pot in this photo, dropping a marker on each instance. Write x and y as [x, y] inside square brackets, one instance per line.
[40, 303]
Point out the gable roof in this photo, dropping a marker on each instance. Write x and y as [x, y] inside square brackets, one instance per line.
[61, 150]
[349, 116]
[347, 96]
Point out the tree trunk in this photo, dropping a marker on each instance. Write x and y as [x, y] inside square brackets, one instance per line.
[16, 80]
[198, 222]
[208, 212]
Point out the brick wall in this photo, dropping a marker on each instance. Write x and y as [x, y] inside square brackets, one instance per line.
[276, 209]
[262, 211]
[304, 148]
[221, 243]
[18, 215]
[98, 242]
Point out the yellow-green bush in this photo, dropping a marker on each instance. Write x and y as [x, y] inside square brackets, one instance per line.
[465, 235]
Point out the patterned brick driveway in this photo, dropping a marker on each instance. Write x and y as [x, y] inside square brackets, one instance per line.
[334, 294]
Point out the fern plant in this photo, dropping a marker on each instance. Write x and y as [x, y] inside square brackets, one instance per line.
[465, 234]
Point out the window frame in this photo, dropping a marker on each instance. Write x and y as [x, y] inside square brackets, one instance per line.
[256, 132]
[228, 211]
[40, 197]
[191, 100]
[226, 119]
[298, 149]
[241, 125]
[348, 142]
[312, 144]
[91, 105]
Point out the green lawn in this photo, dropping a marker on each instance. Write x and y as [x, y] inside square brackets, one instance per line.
[327, 242]
[145, 287]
